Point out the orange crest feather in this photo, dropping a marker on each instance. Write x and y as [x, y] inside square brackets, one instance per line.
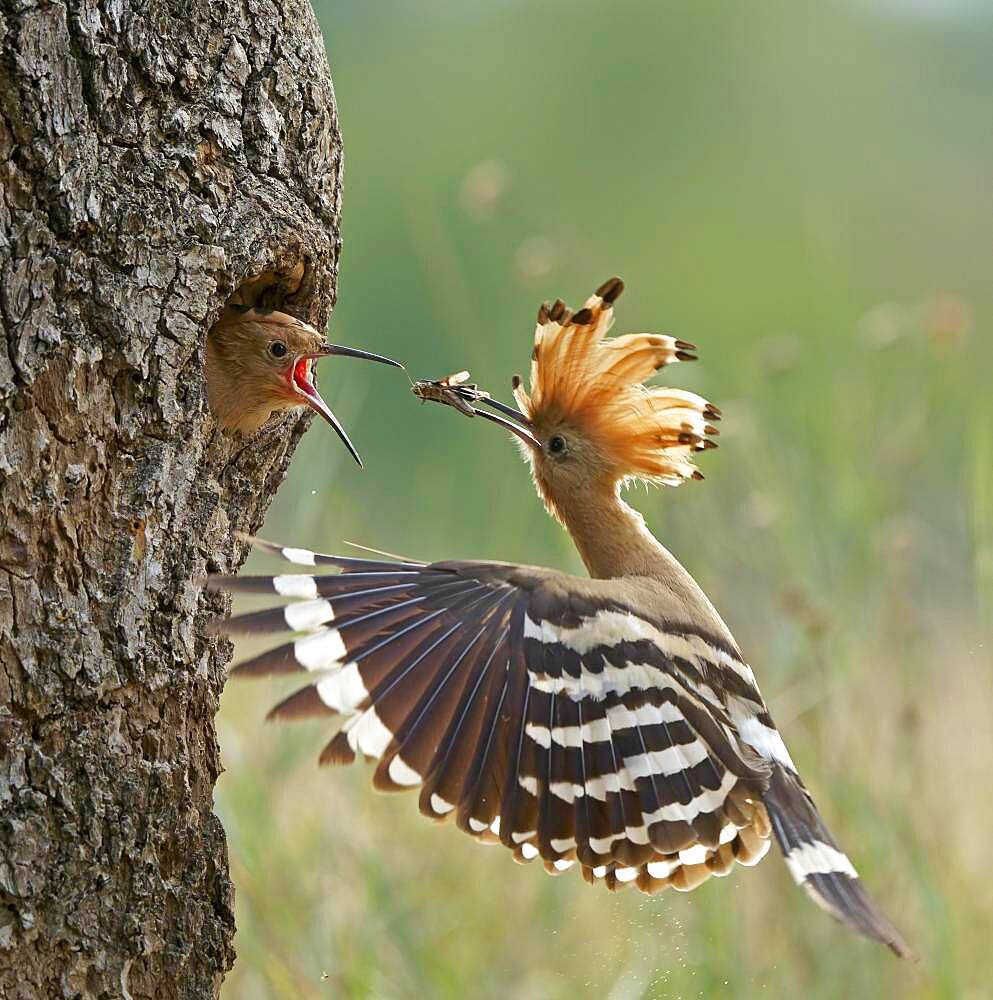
[597, 384]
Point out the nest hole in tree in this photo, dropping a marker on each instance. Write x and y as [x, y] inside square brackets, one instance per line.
[251, 346]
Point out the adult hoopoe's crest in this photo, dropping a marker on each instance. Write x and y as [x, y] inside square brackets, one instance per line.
[608, 723]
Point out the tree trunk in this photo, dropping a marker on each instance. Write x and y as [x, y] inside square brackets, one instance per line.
[156, 160]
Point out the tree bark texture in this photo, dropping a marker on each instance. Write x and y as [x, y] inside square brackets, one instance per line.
[156, 159]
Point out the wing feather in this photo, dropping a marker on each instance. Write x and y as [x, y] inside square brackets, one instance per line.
[542, 711]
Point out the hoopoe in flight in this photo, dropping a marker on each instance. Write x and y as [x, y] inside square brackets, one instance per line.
[259, 362]
[609, 722]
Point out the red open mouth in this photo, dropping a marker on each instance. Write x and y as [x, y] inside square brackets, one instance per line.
[302, 377]
[301, 382]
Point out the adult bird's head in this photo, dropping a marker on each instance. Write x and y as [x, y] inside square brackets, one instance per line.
[588, 423]
[258, 363]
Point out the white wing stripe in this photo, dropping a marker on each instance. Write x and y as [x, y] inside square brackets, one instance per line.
[306, 615]
[767, 741]
[321, 651]
[636, 834]
[818, 858]
[609, 628]
[599, 788]
[695, 855]
[343, 691]
[622, 717]
[367, 734]
[617, 680]
[295, 585]
[666, 762]
[302, 556]
[707, 801]
[595, 731]
[662, 869]
[402, 773]
[440, 805]
[566, 790]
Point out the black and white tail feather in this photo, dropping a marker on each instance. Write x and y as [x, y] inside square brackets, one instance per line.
[554, 715]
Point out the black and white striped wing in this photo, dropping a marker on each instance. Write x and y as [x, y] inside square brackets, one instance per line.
[539, 710]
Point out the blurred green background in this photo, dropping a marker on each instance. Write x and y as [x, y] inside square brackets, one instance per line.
[804, 191]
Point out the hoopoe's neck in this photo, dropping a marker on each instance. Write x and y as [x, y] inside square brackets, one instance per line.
[614, 542]
[612, 538]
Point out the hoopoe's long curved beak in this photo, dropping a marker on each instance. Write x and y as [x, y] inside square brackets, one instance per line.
[304, 384]
[452, 391]
[522, 429]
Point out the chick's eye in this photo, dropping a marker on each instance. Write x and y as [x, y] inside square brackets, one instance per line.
[556, 444]
[277, 349]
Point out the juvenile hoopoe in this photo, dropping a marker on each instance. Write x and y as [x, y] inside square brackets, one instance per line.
[258, 362]
[608, 722]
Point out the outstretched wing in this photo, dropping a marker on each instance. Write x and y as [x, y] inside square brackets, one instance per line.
[541, 711]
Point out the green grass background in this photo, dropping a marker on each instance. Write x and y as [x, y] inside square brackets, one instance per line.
[804, 191]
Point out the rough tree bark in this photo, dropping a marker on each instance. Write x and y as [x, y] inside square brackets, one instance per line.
[156, 158]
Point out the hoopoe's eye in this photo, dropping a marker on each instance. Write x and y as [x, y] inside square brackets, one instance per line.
[277, 349]
[556, 444]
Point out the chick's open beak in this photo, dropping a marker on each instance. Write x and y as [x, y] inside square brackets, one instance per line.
[303, 383]
[352, 352]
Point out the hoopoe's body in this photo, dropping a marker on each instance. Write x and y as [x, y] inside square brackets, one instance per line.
[260, 362]
[608, 723]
